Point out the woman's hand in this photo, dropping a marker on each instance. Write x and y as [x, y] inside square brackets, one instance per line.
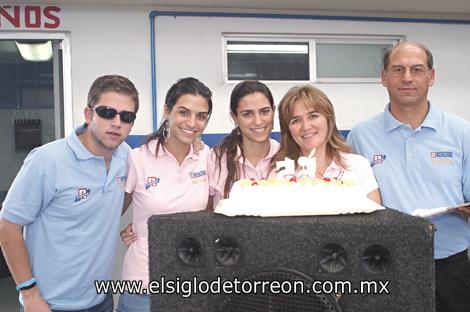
[128, 236]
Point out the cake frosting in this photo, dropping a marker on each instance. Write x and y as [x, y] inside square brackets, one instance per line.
[295, 197]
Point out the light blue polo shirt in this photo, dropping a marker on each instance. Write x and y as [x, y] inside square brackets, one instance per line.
[423, 168]
[70, 207]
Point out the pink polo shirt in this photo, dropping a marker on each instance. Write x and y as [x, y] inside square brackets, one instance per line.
[247, 170]
[159, 185]
[359, 171]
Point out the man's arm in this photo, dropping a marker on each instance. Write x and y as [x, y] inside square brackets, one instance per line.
[210, 203]
[16, 256]
[126, 203]
[465, 172]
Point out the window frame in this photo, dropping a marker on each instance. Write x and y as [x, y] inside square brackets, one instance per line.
[312, 40]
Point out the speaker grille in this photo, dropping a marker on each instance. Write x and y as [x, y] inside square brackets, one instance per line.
[274, 302]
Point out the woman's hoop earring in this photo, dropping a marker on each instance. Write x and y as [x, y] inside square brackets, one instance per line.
[166, 130]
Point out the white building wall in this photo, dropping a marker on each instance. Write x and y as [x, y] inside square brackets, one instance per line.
[193, 46]
[109, 40]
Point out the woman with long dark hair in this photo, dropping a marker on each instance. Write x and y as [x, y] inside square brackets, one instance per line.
[164, 175]
[246, 152]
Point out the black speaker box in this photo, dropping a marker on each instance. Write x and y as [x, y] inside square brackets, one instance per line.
[386, 253]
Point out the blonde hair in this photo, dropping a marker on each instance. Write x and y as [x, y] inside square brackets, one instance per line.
[313, 98]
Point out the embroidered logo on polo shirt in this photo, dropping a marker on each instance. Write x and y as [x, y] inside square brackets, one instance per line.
[121, 182]
[377, 159]
[151, 181]
[82, 194]
[442, 157]
[198, 177]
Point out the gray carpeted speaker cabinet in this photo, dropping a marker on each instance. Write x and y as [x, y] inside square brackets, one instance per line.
[386, 246]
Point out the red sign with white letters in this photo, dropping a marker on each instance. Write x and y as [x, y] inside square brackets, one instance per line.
[29, 16]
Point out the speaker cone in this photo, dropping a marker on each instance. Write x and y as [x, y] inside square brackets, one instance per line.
[227, 251]
[333, 258]
[190, 251]
[377, 259]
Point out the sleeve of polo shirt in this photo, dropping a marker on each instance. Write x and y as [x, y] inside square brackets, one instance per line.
[366, 175]
[131, 171]
[351, 141]
[31, 191]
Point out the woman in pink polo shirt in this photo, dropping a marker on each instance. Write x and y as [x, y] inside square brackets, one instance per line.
[166, 159]
[246, 152]
[307, 121]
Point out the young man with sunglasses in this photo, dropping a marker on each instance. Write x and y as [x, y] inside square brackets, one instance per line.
[421, 159]
[68, 198]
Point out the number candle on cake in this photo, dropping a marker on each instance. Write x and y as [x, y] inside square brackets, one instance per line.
[308, 166]
[285, 168]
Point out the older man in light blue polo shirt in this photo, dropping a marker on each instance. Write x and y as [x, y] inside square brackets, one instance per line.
[421, 159]
[68, 197]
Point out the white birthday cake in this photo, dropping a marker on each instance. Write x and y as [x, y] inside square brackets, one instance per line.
[295, 197]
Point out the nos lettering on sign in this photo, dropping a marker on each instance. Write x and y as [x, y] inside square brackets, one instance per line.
[29, 16]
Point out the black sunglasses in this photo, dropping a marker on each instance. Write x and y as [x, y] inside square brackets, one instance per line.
[107, 112]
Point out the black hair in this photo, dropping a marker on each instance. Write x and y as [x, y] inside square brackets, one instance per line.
[183, 86]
